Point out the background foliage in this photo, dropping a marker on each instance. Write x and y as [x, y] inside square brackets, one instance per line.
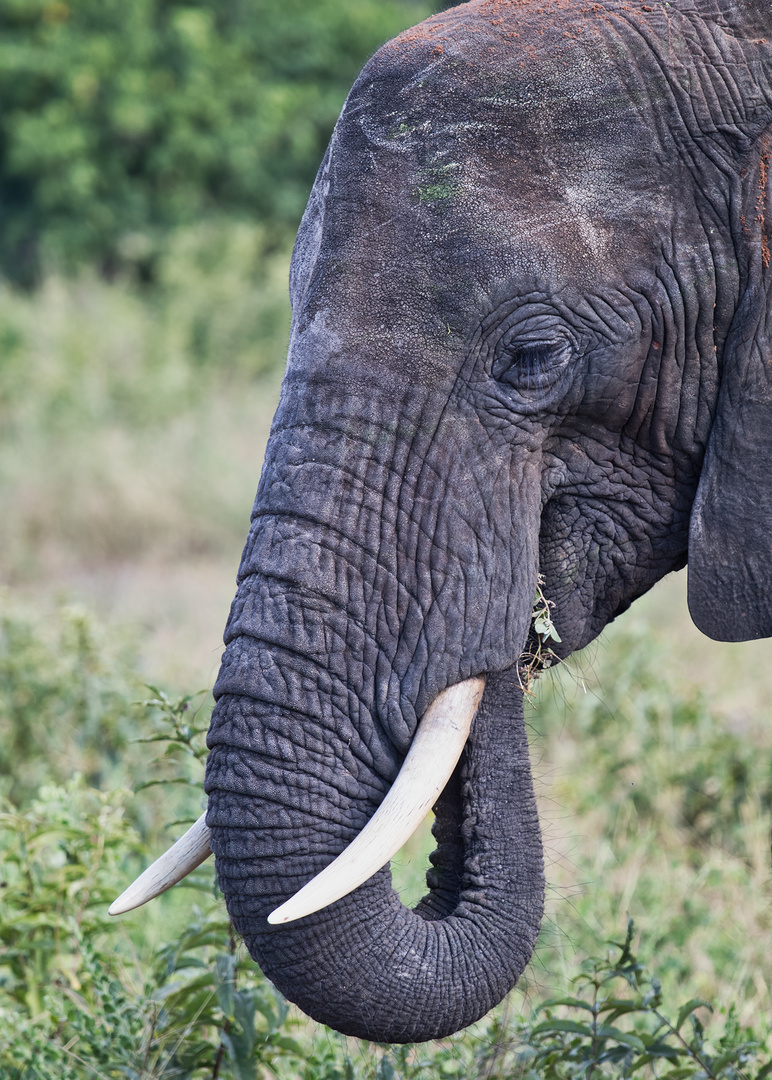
[170, 992]
[121, 122]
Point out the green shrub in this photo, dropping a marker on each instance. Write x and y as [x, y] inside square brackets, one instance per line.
[77, 1000]
[662, 755]
[122, 122]
[171, 993]
[66, 697]
[615, 1023]
[72, 704]
[655, 803]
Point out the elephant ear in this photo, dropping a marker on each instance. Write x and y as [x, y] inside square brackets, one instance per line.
[730, 533]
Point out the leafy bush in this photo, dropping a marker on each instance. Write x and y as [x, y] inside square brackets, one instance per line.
[65, 700]
[119, 123]
[171, 992]
[653, 803]
[75, 1001]
[664, 757]
[72, 704]
[616, 1019]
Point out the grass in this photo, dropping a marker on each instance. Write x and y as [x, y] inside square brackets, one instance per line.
[168, 991]
[653, 805]
[667, 807]
[130, 446]
[132, 424]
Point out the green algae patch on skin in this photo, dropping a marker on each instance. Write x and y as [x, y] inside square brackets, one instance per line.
[438, 184]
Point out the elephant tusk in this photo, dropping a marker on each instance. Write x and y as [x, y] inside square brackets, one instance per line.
[433, 755]
[183, 857]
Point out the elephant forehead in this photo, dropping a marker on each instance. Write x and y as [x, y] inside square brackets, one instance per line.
[454, 162]
[553, 71]
[496, 150]
[521, 40]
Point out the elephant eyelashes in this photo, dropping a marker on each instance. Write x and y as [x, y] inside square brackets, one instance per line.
[530, 367]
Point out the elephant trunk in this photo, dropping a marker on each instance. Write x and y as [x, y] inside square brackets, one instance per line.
[374, 578]
[367, 965]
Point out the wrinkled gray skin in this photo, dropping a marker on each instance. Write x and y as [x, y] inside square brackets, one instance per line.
[530, 301]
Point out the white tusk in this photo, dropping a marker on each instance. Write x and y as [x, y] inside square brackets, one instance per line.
[437, 744]
[183, 857]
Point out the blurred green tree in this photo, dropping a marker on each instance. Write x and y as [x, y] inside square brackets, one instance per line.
[120, 121]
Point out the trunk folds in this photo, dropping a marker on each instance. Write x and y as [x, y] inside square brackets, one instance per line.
[367, 965]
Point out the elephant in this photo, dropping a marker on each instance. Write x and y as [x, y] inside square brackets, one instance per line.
[528, 352]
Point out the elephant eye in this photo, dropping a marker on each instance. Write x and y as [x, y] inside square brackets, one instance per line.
[532, 366]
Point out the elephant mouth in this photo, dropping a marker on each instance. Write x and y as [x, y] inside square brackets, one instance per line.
[436, 748]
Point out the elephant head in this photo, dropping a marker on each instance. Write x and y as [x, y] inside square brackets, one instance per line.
[529, 338]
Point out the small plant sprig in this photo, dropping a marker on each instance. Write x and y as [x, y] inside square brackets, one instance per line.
[582, 1046]
[183, 738]
[182, 762]
[538, 655]
[178, 716]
